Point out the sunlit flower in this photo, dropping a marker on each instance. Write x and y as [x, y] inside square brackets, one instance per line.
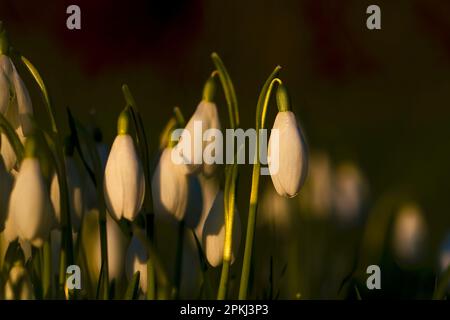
[124, 183]
[15, 105]
[287, 155]
[76, 196]
[209, 187]
[409, 234]
[214, 232]
[176, 193]
[18, 284]
[191, 143]
[33, 217]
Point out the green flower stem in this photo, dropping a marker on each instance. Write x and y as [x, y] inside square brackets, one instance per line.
[61, 168]
[261, 110]
[228, 88]
[12, 137]
[141, 138]
[161, 275]
[47, 269]
[229, 205]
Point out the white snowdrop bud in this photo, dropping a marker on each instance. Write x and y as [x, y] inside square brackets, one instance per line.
[76, 196]
[409, 234]
[116, 242]
[210, 187]
[124, 182]
[18, 286]
[136, 260]
[287, 155]
[192, 144]
[32, 218]
[15, 105]
[176, 194]
[214, 233]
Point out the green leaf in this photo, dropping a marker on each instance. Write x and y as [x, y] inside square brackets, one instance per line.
[133, 287]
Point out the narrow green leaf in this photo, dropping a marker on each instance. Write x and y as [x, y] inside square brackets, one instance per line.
[133, 287]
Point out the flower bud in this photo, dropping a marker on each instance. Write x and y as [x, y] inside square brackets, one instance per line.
[175, 193]
[32, 218]
[124, 182]
[76, 196]
[287, 155]
[214, 233]
[192, 144]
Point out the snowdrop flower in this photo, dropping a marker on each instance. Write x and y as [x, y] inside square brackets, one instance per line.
[192, 144]
[409, 234]
[75, 188]
[15, 101]
[350, 192]
[18, 285]
[32, 218]
[124, 182]
[209, 187]
[116, 242]
[136, 260]
[214, 232]
[175, 193]
[287, 152]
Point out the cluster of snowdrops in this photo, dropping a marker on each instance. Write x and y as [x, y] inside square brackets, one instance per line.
[54, 215]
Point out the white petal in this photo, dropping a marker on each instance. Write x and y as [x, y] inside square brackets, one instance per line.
[210, 188]
[124, 179]
[33, 217]
[24, 105]
[214, 233]
[288, 169]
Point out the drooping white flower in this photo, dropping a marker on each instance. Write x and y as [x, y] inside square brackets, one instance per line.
[209, 187]
[409, 234]
[116, 241]
[136, 260]
[124, 183]
[76, 196]
[15, 105]
[192, 144]
[287, 155]
[175, 193]
[18, 285]
[30, 207]
[214, 233]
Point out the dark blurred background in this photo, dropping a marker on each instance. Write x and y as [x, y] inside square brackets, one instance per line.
[379, 98]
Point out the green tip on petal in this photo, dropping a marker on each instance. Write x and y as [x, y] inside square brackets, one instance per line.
[31, 147]
[123, 123]
[209, 90]
[283, 100]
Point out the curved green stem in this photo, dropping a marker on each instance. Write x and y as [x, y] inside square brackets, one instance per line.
[261, 109]
[229, 206]
[228, 88]
[61, 168]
